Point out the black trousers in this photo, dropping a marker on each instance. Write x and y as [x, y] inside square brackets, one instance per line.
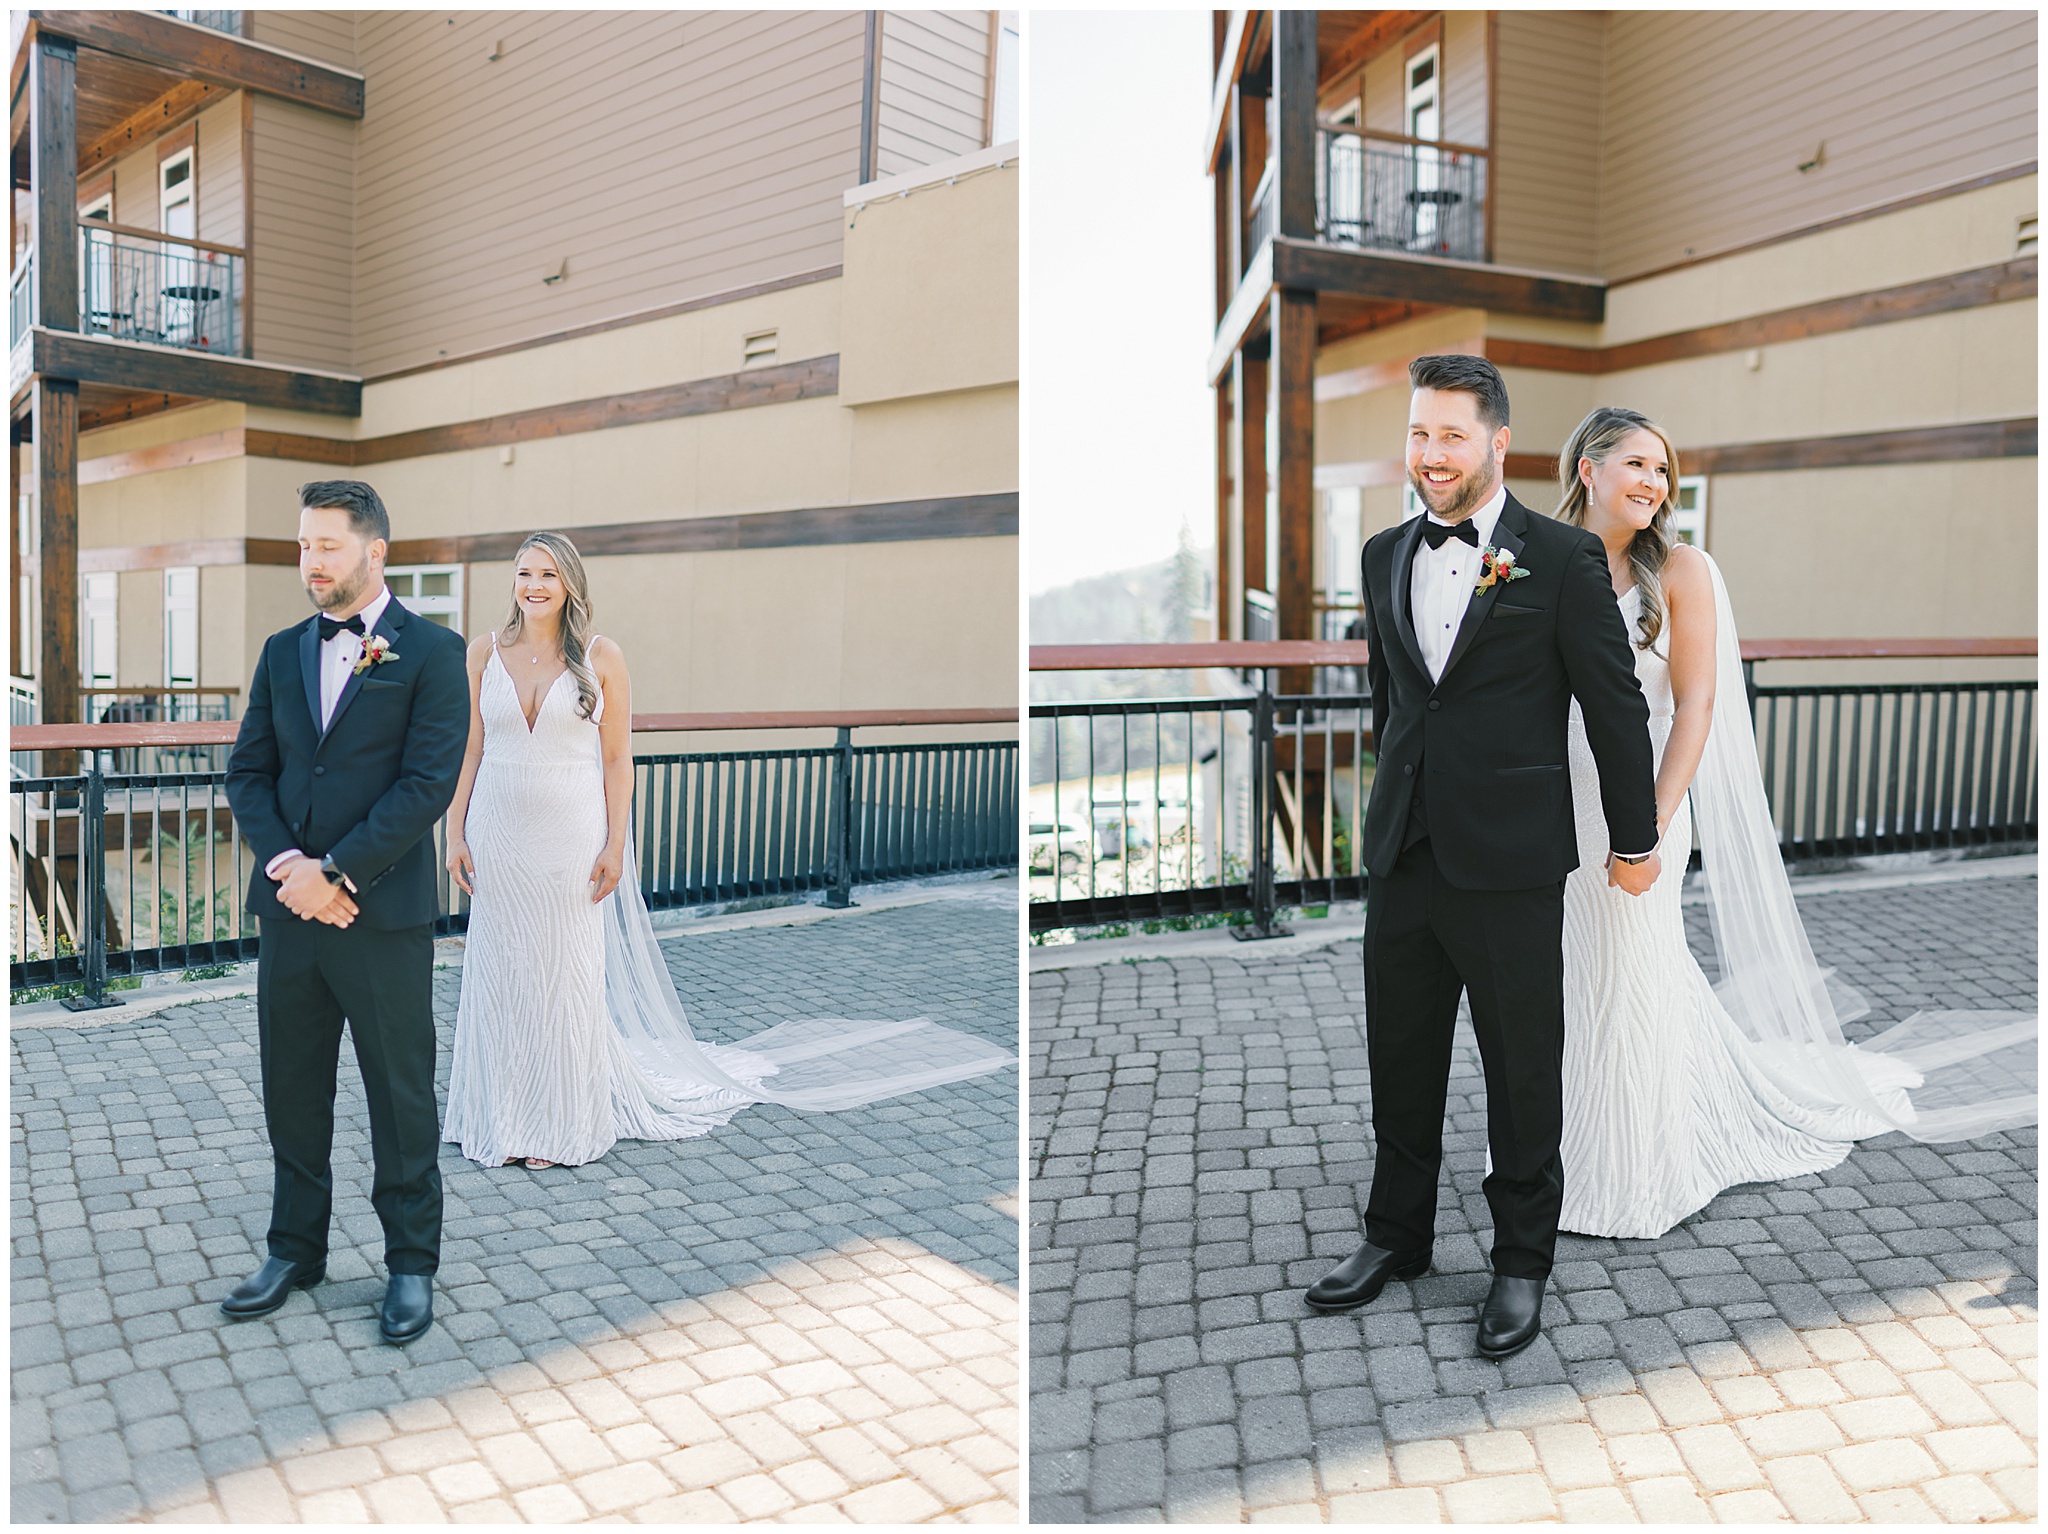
[1425, 941]
[310, 978]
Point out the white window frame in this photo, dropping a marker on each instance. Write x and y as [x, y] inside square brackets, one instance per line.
[405, 581]
[188, 191]
[99, 628]
[1428, 164]
[1004, 74]
[1689, 523]
[181, 626]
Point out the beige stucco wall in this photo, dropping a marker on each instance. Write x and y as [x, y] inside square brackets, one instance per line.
[931, 289]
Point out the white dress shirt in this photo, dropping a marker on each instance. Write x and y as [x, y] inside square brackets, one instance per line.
[1440, 584]
[338, 657]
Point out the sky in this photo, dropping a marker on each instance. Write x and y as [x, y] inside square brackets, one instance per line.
[1122, 436]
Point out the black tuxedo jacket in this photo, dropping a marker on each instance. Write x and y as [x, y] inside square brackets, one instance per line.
[1489, 739]
[368, 789]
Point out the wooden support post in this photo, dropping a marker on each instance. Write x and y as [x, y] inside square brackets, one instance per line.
[1293, 381]
[53, 180]
[56, 437]
[1248, 395]
[1226, 491]
[1294, 144]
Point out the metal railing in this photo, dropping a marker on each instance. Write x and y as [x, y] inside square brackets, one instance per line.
[131, 873]
[21, 304]
[229, 22]
[161, 705]
[139, 286]
[1386, 192]
[1243, 804]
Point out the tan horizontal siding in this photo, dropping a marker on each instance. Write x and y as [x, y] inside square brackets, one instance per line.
[934, 87]
[1464, 66]
[664, 154]
[220, 172]
[304, 236]
[1546, 146]
[326, 35]
[1905, 101]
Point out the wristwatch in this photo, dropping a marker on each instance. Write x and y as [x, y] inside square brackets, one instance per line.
[332, 871]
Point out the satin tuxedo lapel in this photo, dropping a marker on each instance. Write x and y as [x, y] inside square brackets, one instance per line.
[1507, 537]
[389, 625]
[309, 668]
[1404, 569]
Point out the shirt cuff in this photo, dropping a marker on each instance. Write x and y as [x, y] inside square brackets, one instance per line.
[270, 869]
[1643, 854]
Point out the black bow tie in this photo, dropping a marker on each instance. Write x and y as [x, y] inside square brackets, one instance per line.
[329, 627]
[1437, 532]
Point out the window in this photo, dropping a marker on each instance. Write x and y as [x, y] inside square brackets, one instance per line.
[98, 629]
[1689, 511]
[1424, 121]
[181, 627]
[1342, 521]
[1002, 107]
[176, 212]
[432, 591]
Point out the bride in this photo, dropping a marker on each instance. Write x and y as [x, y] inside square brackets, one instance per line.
[569, 1034]
[1676, 1088]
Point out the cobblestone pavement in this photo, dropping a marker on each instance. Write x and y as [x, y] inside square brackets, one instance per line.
[1846, 1347]
[801, 1316]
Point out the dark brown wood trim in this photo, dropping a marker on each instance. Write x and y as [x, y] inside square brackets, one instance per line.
[1429, 32]
[1383, 375]
[194, 551]
[1247, 312]
[1422, 279]
[1193, 657]
[1887, 649]
[621, 322]
[203, 54]
[1232, 53]
[210, 448]
[1875, 210]
[167, 239]
[1928, 444]
[161, 369]
[808, 379]
[257, 443]
[1541, 466]
[959, 516]
[1385, 29]
[132, 407]
[168, 144]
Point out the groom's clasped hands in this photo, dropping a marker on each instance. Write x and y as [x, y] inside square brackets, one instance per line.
[306, 892]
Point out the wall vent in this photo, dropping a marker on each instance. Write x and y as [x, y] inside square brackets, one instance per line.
[759, 349]
[2029, 242]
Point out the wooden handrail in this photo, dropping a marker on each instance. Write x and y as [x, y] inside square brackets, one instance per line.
[167, 239]
[222, 732]
[1354, 131]
[157, 692]
[1354, 652]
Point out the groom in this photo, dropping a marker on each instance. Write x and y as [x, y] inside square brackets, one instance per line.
[1485, 621]
[348, 753]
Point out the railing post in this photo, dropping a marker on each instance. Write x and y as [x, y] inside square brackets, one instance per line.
[1264, 729]
[92, 889]
[839, 852]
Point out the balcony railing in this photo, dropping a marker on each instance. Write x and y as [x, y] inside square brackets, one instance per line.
[229, 22]
[21, 306]
[130, 873]
[1386, 192]
[1240, 806]
[138, 286]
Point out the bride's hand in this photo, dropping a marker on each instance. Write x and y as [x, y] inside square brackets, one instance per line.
[606, 872]
[461, 868]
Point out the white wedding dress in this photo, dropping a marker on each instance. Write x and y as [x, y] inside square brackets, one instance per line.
[569, 1034]
[1676, 1088]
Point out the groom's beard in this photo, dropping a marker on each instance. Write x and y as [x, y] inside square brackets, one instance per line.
[343, 589]
[1470, 495]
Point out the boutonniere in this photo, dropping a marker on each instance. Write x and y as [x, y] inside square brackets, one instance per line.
[1496, 565]
[376, 650]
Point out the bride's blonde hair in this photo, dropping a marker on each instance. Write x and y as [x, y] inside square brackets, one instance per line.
[1594, 439]
[576, 614]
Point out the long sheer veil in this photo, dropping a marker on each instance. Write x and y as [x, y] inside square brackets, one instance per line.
[823, 1064]
[1938, 1075]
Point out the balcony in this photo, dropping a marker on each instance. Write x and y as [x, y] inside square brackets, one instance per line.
[1382, 191]
[229, 22]
[139, 286]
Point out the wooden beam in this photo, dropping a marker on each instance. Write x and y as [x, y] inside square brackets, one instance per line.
[1384, 30]
[180, 104]
[191, 551]
[53, 178]
[2005, 282]
[1246, 313]
[1385, 375]
[1435, 280]
[215, 57]
[1226, 490]
[135, 365]
[56, 447]
[1249, 380]
[2016, 438]
[1235, 41]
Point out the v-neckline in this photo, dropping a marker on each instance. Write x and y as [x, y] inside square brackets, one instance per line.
[533, 723]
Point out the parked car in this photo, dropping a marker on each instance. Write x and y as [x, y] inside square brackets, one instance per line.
[1075, 848]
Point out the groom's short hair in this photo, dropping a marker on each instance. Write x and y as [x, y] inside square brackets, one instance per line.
[365, 510]
[1465, 375]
